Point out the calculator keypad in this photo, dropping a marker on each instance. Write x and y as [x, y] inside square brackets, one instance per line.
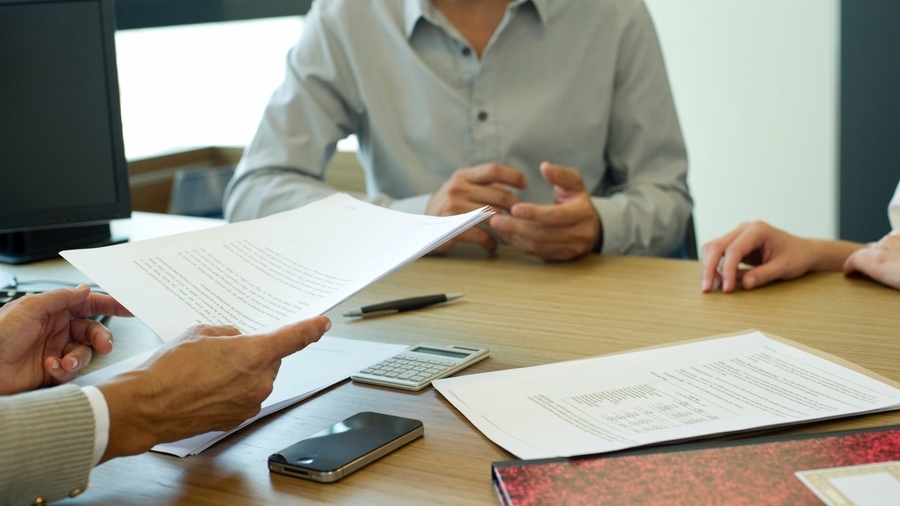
[409, 367]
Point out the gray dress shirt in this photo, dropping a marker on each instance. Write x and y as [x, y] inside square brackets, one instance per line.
[580, 83]
[46, 445]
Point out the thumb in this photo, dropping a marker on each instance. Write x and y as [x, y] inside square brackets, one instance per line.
[760, 275]
[296, 336]
[566, 178]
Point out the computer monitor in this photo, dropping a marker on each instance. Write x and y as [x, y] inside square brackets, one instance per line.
[63, 174]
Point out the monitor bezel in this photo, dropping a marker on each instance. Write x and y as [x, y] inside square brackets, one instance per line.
[101, 213]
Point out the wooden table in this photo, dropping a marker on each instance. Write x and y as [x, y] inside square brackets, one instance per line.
[526, 312]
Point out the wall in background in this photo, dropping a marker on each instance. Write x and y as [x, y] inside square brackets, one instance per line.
[756, 87]
[199, 85]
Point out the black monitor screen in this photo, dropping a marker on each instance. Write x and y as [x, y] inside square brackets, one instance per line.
[62, 160]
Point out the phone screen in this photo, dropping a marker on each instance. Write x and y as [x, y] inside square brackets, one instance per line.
[346, 446]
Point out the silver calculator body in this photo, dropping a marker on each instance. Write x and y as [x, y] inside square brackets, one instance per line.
[416, 367]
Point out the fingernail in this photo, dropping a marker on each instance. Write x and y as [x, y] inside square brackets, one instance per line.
[54, 364]
[750, 282]
[327, 325]
[74, 362]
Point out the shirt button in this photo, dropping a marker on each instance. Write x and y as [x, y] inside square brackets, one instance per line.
[482, 116]
[39, 500]
[466, 51]
[75, 492]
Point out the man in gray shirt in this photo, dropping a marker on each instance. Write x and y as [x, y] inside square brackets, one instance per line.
[558, 113]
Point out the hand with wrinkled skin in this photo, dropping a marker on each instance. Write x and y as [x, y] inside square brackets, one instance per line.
[210, 378]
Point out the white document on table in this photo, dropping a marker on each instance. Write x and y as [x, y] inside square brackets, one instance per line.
[314, 368]
[673, 393]
[265, 273]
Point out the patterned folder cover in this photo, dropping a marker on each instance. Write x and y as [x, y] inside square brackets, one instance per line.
[749, 471]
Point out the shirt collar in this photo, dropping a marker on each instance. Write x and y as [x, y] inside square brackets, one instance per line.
[414, 10]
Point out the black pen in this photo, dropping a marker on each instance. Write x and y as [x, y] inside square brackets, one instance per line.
[396, 306]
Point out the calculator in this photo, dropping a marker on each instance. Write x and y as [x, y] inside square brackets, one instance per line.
[416, 367]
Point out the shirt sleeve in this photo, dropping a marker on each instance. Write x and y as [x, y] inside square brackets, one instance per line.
[894, 211]
[315, 106]
[46, 444]
[646, 205]
[101, 421]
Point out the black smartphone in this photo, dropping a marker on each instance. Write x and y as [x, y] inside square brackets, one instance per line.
[346, 446]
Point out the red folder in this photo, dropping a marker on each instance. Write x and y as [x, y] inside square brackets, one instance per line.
[755, 471]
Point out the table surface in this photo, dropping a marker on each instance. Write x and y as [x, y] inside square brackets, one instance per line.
[526, 312]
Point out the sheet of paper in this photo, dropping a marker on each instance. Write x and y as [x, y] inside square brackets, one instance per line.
[264, 273]
[674, 393]
[875, 484]
[318, 366]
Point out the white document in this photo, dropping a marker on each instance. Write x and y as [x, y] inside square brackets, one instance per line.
[696, 389]
[876, 484]
[264, 273]
[316, 367]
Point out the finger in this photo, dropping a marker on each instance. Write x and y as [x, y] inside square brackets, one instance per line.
[80, 302]
[91, 333]
[561, 215]
[710, 258]
[65, 369]
[76, 358]
[58, 375]
[55, 301]
[101, 304]
[480, 237]
[504, 226]
[567, 178]
[548, 243]
[496, 196]
[862, 261]
[489, 173]
[293, 338]
[745, 243]
[854, 262]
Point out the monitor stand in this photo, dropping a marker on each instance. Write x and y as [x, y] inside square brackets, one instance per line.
[42, 244]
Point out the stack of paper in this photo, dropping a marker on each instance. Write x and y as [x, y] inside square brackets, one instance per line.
[265, 273]
[680, 392]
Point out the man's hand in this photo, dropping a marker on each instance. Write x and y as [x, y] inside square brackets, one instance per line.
[45, 340]
[473, 188]
[881, 261]
[210, 378]
[566, 230]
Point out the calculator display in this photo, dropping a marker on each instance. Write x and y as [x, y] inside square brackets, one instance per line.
[443, 353]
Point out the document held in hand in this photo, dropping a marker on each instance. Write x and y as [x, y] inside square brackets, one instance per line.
[268, 272]
[671, 393]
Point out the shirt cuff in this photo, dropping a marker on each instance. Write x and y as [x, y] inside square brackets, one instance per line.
[101, 421]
